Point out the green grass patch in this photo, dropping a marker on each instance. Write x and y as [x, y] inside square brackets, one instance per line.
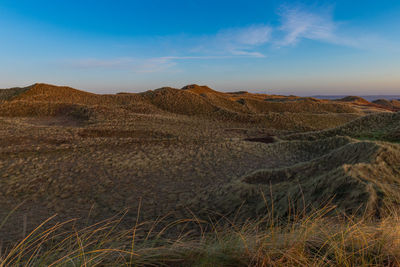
[393, 137]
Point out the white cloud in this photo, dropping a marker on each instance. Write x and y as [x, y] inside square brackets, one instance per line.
[100, 63]
[152, 65]
[234, 42]
[296, 23]
[195, 57]
[247, 53]
[139, 65]
[230, 43]
[254, 35]
[161, 64]
[299, 23]
[146, 65]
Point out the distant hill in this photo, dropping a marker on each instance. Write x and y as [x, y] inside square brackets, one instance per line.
[369, 98]
[276, 111]
[379, 126]
[8, 94]
[200, 89]
[354, 99]
[393, 104]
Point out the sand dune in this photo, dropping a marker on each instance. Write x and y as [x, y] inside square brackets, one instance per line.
[357, 176]
[67, 151]
[380, 126]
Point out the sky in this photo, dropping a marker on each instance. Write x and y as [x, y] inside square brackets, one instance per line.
[282, 47]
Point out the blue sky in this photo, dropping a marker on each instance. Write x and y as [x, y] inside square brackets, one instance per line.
[292, 47]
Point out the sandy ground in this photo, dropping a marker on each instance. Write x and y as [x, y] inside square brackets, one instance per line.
[56, 165]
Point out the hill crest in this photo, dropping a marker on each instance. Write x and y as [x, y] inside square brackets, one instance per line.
[200, 89]
[190, 100]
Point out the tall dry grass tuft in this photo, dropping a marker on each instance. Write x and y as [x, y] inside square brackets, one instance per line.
[317, 239]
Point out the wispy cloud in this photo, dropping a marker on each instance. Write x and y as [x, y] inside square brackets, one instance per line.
[99, 63]
[152, 65]
[142, 65]
[296, 23]
[235, 42]
[226, 44]
[254, 35]
[247, 53]
[139, 65]
[299, 22]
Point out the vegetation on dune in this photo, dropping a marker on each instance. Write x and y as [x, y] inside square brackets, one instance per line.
[380, 135]
[292, 99]
[392, 104]
[316, 239]
[380, 126]
[303, 106]
[245, 179]
[179, 101]
[37, 109]
[289, 113]
[340, 169]
[190, 100]
[51, 93]
[355, 99]
[225, 103]
[9, 94]
[200, 89]
[46, 93]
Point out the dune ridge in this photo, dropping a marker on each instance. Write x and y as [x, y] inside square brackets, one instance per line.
[358, 177]
[237, 154]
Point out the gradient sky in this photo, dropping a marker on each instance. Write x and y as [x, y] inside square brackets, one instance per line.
[292, 47]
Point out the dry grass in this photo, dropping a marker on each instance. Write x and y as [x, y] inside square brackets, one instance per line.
[191, 100]
[43, 109]
[175, 149]
[356, 99]
[167, 159]
[9, 94]
[313, 240]
[289, 113]
[380, 126]
[301, 106]
[360, 177]
[392, 104]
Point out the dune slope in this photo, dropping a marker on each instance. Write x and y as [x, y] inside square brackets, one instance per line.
[357, 176]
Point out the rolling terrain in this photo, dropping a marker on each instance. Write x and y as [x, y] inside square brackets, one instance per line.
[84, 155]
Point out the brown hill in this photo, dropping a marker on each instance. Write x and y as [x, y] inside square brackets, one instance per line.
[288, 99]
[380, 126]
[51, 93]
[179, 101]
[200, 89]
[46, 98]
[261, 103]
[363, 105]
[303, 106]
[190, 100]
[275, 111]
[383, 102]
[392, 104]
[354, 99]
[21, 108]
[41, 92]
[8, 94]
